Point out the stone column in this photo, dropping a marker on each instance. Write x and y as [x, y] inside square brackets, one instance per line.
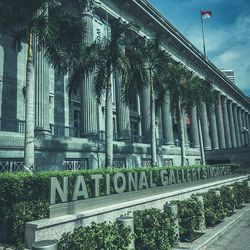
[220, 126]
[226, 123]
[167, 123]
[41, 70]
[247, 124]
[213, 129]
[204, 126]
[248, 120]
[194, 128]
[244, 127]
[145, 112]
[122, 111]
[236, 125]
[231, 124]
[240, 126]
[89, 124]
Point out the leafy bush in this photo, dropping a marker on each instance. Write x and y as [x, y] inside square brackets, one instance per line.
[214, 210]
[153, 230]
[104, 235]
[246, 191]
[190, 213]
[228, 199]
[241, 193]
[24, 212]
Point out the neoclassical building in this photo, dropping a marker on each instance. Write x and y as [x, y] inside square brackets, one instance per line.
[70, 130]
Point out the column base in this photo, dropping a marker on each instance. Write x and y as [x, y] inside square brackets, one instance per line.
[207, 148]
[42, 132]
[92, 136]
[215, 148]
[169, 143]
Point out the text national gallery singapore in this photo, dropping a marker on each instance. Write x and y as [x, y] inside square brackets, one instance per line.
[70, 130]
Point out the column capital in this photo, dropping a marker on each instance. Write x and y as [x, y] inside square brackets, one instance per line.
[90, 6]
[224, 99]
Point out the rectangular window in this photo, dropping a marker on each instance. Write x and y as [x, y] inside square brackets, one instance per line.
[134, 126]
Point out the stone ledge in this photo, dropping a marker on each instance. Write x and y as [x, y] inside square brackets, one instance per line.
[110, 209]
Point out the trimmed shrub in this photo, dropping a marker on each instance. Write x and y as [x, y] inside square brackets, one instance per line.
[228, 199]
[104, 235]
[214, 210]
[24, 212]
[241, 193]
[190, 217]
[153, 230]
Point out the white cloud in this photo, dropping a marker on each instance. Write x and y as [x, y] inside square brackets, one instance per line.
[227, 47]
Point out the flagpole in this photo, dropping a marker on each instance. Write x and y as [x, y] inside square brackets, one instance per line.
[203, 36]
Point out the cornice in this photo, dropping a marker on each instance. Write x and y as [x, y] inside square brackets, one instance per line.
[177, 38]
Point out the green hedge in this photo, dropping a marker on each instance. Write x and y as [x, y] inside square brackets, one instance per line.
[190, 213]
[19, 187]
[24, 212]
[214, 210]
[104, 235]
[153, 230]
[22, 195]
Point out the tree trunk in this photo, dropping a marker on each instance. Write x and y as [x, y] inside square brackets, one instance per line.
[153, 136]
[29, 111]
[200, 138]
[109, 127]
[181, 133]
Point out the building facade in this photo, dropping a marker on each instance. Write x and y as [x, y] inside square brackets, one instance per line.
[70, 131]
[229, 73]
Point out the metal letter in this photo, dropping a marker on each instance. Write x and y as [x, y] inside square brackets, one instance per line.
[55, 186]
[143, 182]
[132, 181]
[151, 183]
[164, 177]
[122, 186]
[80, 188]
[96, 178]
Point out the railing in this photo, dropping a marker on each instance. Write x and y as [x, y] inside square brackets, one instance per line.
[146, 162]
[76, 164]
[11, 165]
[12, 125]
[119, 162]
[64, 131]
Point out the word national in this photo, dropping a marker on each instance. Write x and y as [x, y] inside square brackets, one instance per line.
[94, 185]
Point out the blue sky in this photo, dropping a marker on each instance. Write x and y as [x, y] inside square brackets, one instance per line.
[227, 32]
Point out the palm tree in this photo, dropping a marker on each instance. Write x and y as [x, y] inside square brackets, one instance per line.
[187, 90]
[103, 57]
[55, 31]
[150, 64]
[201, 91]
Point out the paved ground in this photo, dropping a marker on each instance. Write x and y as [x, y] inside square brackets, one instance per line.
[236, 238]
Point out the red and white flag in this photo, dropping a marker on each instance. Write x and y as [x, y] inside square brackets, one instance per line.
[206, 14]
